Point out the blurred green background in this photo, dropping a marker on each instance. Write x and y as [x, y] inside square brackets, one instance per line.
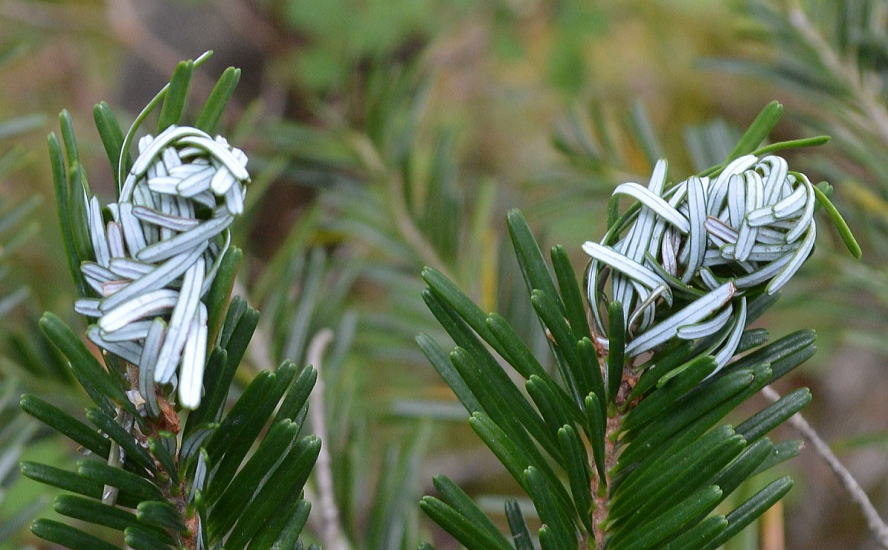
[385, 135]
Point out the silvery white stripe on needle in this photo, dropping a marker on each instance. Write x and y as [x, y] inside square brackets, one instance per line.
[156, 258]
[708, 240]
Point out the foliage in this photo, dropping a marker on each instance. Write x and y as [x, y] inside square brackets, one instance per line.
[159, 477]
[609, 449]
[384, 136]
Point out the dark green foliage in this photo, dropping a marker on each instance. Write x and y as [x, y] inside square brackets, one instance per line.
[136, 454]
[62, 479]
[462, 503]
[87, 509]
[92, 376]
[68, 196]
[283, 530]
[67, 536]
[215, 105]
[220, 292]
[177, 93]
[597, 432]
[111, 135]
[658, 403]
[699, 535]
[280, 492]
[142, 539]
[234, 501]
[758, 131]
[236, 334]
[520, 533]
[458, 525]
[66, 424]
[747, 512]
[616, 349]
[657, 529]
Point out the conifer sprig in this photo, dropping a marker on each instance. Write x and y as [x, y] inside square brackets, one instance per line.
[622, 442]
[168, 468]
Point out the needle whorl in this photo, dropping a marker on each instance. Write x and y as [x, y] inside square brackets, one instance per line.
[157, 255]
[704, 241]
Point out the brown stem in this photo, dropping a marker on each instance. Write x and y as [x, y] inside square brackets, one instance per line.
[167, 421]
[599, 493]
[611, 449]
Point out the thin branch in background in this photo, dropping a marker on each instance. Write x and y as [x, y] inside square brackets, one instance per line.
[331, 531]
[874, 522]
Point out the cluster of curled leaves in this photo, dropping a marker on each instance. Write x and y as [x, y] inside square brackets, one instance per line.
[158, 254]
[704, 241]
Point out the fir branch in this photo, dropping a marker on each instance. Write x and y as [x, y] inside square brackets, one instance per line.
[650, 378]
[160, 274]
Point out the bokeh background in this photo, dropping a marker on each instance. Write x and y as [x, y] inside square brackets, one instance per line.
[385, 135]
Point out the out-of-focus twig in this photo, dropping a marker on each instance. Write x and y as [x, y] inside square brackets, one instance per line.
[874, 521]
[331, 531]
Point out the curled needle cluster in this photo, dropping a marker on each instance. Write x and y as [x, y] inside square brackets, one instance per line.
[707, 242]
[157, 255]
